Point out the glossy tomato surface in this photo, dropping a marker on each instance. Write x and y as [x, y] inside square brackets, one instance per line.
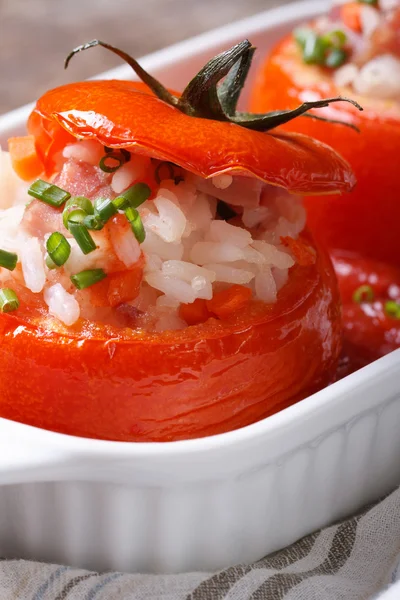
[120, 384]
[367, 220]
[370, 330]
[124, 114]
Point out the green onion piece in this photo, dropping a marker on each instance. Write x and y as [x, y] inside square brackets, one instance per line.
[301, 35]
[49, 193]
[314, 49]
[104, 209]
[82, 236]
[136, 224]
[85, 279]
[77, 203]
[167, 165]
[50, 264]
[336, 38]
[93, 222]
[8, 300]
[8, 260]
[133, 196]
[111, 156]
[125, 153]
[392, 309]
[336, 58]
[75, 216]
[58, 248]
[364, 293]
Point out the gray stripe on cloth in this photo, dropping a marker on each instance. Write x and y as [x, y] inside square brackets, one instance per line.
[102, 584]
[252, 581]
[277, 586]
[72, 584]
[49, 582]
[217, 587]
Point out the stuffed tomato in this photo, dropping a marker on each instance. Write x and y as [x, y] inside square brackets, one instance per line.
[353, 51]
[160, 284]
[370, 292]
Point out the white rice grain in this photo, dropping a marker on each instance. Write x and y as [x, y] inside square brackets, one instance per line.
[281, 277]
[207, 252]
[155, 245]
[126, 246]
[202, 287]
[62, 305]
[186, 271]
[32, 263]
[273, 256]
[88, 151]
[170, 222]
[221, 231]
[254, 216]
[265, 286]
[171, 286]
[222, 182]
[228, 274]
[129, 173]
[379, 78]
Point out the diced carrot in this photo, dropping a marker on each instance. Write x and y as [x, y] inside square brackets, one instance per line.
[194, 313]
[229, 301]
[351, 16]
[304, 255]
[124, 286]
[24, 158]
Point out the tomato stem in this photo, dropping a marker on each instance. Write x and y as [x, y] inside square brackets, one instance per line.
[206, 97]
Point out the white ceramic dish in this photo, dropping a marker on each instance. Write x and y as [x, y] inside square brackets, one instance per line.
[213, 502]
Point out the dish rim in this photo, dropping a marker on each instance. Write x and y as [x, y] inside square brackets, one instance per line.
[300, 411]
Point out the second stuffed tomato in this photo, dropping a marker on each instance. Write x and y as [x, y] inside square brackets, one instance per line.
[353, 51]
[161, 284]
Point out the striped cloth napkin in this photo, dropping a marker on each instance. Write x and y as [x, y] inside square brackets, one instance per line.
[357, 559]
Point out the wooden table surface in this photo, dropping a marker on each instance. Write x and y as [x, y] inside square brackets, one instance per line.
[36, 35]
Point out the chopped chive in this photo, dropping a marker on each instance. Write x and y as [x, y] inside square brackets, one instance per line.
[301, 35]
[136, 224]
[336, 38]
[85, 279]
[58, 248]
[93, 222]
[82, 236]
[133, 196]
[164, 165]
[314, 49]
[364, 293]
[50, 264]
[125, 153]
[336, 58]
[48, 193]
[392, 309]
[8, 300]
[111, 156]
[8, 260]
[104, 209]
[77, 203]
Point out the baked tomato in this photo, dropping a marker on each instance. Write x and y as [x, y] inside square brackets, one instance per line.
[367, 68]
[203, 305]
[370, 292]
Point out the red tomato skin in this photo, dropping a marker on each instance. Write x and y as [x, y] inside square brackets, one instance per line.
[369, 333]
[102, 382]
[367, 220]
[123, 114]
